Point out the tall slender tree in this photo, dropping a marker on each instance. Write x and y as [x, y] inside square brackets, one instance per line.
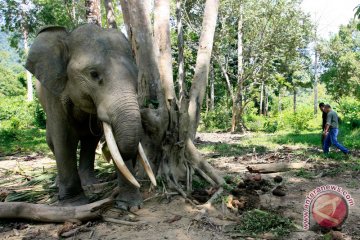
[110, 15]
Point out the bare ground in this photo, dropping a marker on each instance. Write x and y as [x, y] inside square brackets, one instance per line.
[172, 218]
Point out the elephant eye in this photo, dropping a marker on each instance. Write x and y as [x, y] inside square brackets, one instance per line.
[94, 74]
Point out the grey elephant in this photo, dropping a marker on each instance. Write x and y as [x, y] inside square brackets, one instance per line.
[87, 85]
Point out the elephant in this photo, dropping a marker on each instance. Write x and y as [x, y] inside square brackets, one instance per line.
[87, 85]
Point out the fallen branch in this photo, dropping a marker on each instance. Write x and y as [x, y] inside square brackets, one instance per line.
[114, 220]
[45, 213]
[276, 167]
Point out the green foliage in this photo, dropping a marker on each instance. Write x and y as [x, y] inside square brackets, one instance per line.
[298, 121]
[16, 113]
[19, 125]
[217, 120]
[256, 221]
[340, 57]
[271, 125]
[10, 83]
[39, 117]
[22, 140]
[350, 110]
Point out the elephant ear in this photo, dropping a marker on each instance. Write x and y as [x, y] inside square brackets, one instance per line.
[48, 58]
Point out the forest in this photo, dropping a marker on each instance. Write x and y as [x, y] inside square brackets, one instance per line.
[229, 95]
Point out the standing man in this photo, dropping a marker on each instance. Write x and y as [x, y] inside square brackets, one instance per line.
[332, 130]
[321, 106]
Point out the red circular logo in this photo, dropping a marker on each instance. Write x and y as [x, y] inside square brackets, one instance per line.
[329, 210]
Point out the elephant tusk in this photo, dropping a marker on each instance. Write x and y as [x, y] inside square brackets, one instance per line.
[115, 153]
[144, 161]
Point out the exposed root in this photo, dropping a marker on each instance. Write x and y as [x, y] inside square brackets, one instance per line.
[206, 177]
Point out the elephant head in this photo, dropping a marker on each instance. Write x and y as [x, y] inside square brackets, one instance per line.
[95, 69]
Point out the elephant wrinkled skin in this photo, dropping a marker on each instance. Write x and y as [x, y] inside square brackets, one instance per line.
[86, 77]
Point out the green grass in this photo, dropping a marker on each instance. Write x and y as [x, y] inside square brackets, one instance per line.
[256, 222]
[23, 140]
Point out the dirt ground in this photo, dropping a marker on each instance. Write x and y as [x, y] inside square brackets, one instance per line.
[173, 218]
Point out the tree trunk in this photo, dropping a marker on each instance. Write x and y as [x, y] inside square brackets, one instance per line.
[166, 140]
[180, 44]
[266, 110]
[110, 15]
[162, 41]
[198, 86]
[237, 123]
[126, 17]
[25, 32]
[149, 88]
[261, 98]
[93, 12]
[316, 84]
[30, 94]
[227, 79]
[212, 88]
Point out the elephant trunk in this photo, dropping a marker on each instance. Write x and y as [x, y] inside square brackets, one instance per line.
[122, 128]
[125, 121]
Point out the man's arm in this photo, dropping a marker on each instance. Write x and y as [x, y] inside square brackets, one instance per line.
[326, 130]
[328, 123]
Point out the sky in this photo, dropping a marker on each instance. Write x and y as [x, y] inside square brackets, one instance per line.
[330, 14]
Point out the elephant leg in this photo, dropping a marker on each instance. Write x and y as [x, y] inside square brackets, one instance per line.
[87, 158]
[64, 144]
[129, 195]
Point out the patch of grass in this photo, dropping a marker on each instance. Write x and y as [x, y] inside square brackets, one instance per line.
[303, 173]
[256, 222]
[305, 139]
[23, 140]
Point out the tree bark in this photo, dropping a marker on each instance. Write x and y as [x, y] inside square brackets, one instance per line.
[212, 88]
[237, 109]
[162, 41]
[126, 17]
[110, 15]
[227, 79]
[180, 44]
[266, 110]
[30, 91]
[54, 214]
[25, 32]
[261, 98]
[149, 88]
[93, 11]
[166, 140]
[198, 86]
[316, 84]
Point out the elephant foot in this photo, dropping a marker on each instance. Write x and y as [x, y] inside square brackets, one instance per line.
[77, 200]
[88, 179]
[128, 198]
